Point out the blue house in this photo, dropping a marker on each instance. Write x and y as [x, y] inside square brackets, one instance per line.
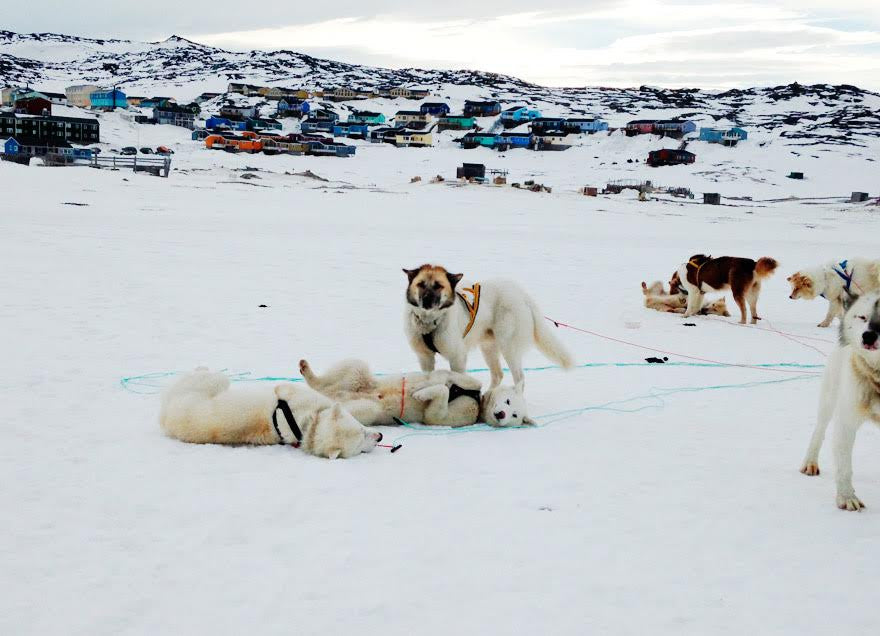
[218, 122]
[437, 109]
[11, 147]
[584, 125]
[292, 105]
[482, 109]
[359, 131]
[317, 125]
[514, 140]
[675, 128]
[547, 124]
[518, 114]
[82, 153]
[108, 99]
[727, 137]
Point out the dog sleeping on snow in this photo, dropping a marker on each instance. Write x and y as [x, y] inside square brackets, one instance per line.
[201, 408]
[442, 398]
[656, 297]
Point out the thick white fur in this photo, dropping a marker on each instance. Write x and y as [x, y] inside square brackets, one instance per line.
[866, 280]
[376, 400]
[849, 395]
[201, 408]
[508, 324]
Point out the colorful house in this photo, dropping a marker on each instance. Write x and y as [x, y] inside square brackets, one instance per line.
[514, 140]
[33, 104]
[78, 95]
[456, 122]
[437, 109]
[482, 109]
[675, 128]
[547, 124]
[354, 131]
[551, 141]
[366, 117]
[11, 147]
[727, 137]
[670, 157]
[238, 111]
[413, 138]
[218, 122]
[640, 127]
[411, 117]
[476, 139]
[108, 99]
[516, 115]
[317, 125]
[584, 125]
[233, 143]
[291, 106]
[175, 115]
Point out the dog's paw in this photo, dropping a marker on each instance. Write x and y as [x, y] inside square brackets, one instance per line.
[304, 367]
[824, 324]
[810, 469]
[851, 503]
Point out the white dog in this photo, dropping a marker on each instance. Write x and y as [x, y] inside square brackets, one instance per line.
[833, 282]
[851, 387]
[500, 318]
[443, 398]
[201, 408]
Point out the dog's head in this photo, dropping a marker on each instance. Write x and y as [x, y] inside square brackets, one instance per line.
[505, 406]
[717, 307]
[431, 287]
[334, 432]
[803, 285]
[861, 327]
[675, 284]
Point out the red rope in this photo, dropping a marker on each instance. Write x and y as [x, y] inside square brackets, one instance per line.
[680, 355]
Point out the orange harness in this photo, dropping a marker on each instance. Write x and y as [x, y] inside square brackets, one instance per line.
[473, 307]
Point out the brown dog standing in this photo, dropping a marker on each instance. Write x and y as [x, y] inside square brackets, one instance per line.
[742, 276]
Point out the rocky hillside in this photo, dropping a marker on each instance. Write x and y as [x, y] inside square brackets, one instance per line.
[800, 115]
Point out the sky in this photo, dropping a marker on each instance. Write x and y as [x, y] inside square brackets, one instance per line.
[676, 43]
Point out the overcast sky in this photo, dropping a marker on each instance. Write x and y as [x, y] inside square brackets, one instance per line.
[592, 42]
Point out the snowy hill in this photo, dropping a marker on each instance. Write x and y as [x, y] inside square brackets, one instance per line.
[800, 115]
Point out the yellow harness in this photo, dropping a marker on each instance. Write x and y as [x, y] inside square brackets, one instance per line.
[473, 307]
[699, 267]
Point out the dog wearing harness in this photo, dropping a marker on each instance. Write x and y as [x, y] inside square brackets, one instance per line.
[201, 407]
[836, 282]
[445, 316]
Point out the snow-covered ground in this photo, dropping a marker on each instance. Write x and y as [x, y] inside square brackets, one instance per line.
[650, 498]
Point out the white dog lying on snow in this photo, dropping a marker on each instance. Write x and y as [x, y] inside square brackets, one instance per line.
[201, 408]
[443, 398]
[851, 387]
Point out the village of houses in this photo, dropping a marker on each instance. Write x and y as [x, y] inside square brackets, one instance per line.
[65, 128]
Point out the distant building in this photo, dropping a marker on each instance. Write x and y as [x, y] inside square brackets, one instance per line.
[33, 105]
[584, 125]
[238, 110]
[56, 98]
[413, 138]
[456, 122]
[177, 115]
[482, 109]
[437, 109]
[366, 117]
[78, 130]
[78, 95]
[729, 137]
[670, 157]
[108, 99]
[517, 115]
[135, 100]
[411, 116]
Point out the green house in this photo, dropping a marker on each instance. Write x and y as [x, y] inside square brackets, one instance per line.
[457, 122]
[366, 117]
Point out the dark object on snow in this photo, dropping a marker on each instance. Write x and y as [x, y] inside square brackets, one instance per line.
[858, 197]
[711, 198]
[396, 448]
[263, 306]
[471, 171]
[670, 157]
[796, 175]
[653, 360]
[689, 324]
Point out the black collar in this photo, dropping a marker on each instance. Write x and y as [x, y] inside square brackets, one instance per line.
[456, 391]
[291, 423]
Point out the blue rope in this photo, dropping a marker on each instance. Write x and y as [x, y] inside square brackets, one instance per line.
[145, 384]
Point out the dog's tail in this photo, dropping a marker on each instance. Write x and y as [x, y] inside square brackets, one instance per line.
[765, 267]
[547, 341]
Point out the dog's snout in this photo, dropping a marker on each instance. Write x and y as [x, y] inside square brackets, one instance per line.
[869, 338]
[499, 415]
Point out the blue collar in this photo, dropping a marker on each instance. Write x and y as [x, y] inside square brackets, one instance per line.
[846, 276]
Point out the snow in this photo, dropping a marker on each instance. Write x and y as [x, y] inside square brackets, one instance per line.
[677, 507]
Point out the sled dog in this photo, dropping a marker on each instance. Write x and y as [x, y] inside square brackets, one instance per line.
[656, 297]
[834, 281]
[201, 408]
[851, 390]
[444, 398]
[499, 317]
[742, 276]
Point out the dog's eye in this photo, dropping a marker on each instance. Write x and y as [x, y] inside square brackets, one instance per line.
[863, 318]
[514, 416]
[437, 286]
[421, 284]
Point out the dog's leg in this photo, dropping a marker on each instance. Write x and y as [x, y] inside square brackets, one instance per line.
[739, 298]
[308, 375]
[436, 399]
[835, 308]
[493, 361]
[458, 359]
[695, 301]
[513, 356]
[367, 412]
[848, 425]
[752, 297]
[827, 404]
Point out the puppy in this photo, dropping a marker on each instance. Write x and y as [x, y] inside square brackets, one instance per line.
[742, 276]
[833, 281]
[442, 398]
[201, 408]
[657, 298]
[499, 317]
[851, 387]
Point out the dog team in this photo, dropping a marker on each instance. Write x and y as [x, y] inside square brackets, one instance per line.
[332, 414]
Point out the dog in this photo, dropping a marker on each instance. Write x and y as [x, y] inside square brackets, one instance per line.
[658, 299]
[201, 408]
[851, 388]
[742, 276]
[833, 281]
[441, 398]
[501, 319]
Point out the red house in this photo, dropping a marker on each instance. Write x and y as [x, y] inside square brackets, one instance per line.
[33, 106]
[640, 127]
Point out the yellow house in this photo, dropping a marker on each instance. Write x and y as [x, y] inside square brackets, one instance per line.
[400, 91]
[413, 138]
[411, 116]
[78, 95]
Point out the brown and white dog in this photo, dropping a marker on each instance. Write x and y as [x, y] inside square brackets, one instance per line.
[500, 318]
[834, 281]
[657, 298]
[201, 408]
[742, 276]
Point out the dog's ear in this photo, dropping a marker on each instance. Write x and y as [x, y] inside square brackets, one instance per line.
[520, 387]
[453, 279]
[411, 273]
